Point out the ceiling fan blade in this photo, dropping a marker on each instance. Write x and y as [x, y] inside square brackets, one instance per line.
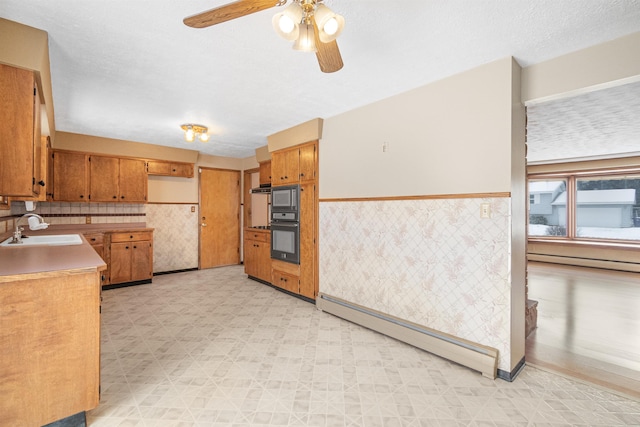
[328, 54]
[228, 12]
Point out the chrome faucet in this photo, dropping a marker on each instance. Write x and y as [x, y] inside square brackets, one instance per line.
[37, 224]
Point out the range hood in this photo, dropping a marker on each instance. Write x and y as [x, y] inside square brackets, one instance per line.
[261, 190]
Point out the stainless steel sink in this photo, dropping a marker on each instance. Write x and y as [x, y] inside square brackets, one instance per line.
[47, 240]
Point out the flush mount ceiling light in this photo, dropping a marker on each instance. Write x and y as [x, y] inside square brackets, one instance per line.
[193, 131]
[311, 25]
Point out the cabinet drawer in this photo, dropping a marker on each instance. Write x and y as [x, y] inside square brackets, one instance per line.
[260, 237]
[94, 238]
[130, 237]
[285, 281]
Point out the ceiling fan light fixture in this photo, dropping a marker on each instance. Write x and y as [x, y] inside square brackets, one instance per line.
[306, 40]
[286, 23]
[329, 23]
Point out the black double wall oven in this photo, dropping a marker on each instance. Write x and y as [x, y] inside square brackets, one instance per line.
[285, 223]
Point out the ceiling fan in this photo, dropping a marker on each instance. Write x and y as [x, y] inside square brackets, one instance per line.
[309, 23]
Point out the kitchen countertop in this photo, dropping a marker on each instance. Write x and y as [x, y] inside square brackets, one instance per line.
[15, 261]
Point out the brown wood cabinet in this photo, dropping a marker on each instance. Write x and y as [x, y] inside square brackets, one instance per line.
[104, 176]
[308, 155]
[265, 174]
[84, 177]
[113, 179]
[285, 166]
[50, 339]
[131, 257]
[294, 165]
[164, 168]
[20, 169]
[133, 181]
[70, 176]
[308, 247]
[300, 161]
[285, 275]
[97, 241]
[257, 254]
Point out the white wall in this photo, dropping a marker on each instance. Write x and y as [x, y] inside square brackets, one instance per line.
[449, 137]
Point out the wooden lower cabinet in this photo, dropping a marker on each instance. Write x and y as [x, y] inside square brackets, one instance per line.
[96, 240]
[131, 257]
[285, 275]
[50, 340]
[257, 254]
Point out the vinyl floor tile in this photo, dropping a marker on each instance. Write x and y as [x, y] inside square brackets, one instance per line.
[213, 348]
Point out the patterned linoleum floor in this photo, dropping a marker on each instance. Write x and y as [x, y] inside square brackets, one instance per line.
[213, 348]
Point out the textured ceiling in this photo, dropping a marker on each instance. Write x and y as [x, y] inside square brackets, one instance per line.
[130, 69]
[602, 123]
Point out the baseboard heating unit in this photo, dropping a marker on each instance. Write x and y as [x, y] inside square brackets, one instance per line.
[467, 353]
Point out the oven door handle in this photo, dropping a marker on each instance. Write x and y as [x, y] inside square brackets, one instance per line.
[284, 224]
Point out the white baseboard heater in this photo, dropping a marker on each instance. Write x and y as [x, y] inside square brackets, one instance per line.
[467, 353]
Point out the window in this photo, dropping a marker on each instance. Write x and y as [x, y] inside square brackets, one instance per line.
[607, 208]
[547, 208]
[585, 205]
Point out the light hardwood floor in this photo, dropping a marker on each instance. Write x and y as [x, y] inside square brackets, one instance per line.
[588, 325]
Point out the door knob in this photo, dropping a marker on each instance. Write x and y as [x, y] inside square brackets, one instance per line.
[204, 224]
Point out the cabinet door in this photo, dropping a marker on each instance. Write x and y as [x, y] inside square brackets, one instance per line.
[17, 98]
[285, 167]
[307, 240]
[38, 153]
[70, 177]
[250, 258]
[157, 167]
[141, 260]
[264, 261]
[104, 172]
[308, 162]
[285, 281]
[265, 174]
[184, 170]
[120, 267]
[133, 181]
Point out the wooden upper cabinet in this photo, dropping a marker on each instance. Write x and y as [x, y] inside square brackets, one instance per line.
[70, 176]
[285, 167]
[182, 169]
[163, 168]
[83, 177]
[19, 131]
[308, 162]
[133, 181]
[265, 174]
[105, 173]
[294, 165]
[156, 167]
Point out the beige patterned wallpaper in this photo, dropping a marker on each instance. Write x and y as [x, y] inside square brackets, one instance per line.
[434, 262]
[175, 238]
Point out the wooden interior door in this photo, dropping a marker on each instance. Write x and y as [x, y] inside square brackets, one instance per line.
[219, 217]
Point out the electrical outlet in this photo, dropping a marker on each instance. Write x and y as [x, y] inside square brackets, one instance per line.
[485, 210]
[385, 147]
[87, 220]
[193, 208]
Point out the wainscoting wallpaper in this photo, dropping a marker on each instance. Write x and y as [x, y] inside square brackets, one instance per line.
[175, 238]
[434, 262]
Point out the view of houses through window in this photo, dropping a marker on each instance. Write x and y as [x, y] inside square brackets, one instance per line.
[585, 206]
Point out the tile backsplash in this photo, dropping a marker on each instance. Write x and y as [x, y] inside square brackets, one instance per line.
[77, 213]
